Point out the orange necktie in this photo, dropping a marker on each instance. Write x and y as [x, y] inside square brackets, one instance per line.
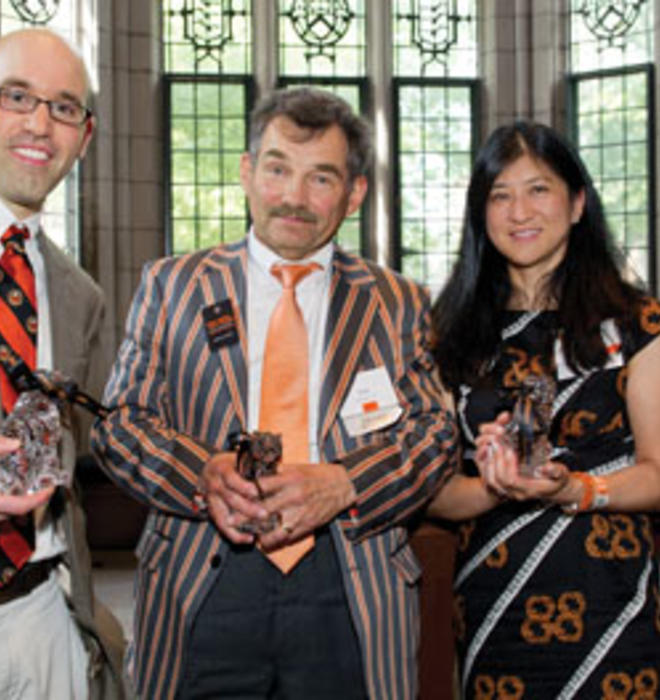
[284, 389]
[18, 340]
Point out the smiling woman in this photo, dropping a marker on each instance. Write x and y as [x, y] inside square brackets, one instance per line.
[536, 294]
[529, 215]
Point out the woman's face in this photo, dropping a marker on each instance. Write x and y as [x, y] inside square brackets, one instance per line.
[529, 213]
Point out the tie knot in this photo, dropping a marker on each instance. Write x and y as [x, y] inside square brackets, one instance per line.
[290, 275]
[15, 237]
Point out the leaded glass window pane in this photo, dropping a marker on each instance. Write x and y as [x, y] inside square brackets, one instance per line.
[611, 103]
[614, 143]
[436, 130]
[435, 148]
[207, 137]
[209, 93]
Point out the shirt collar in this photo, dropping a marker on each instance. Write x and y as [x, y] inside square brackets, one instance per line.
[7, 218]
[265, 258]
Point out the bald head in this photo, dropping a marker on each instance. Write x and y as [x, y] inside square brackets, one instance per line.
[46, 43]
[41, 77]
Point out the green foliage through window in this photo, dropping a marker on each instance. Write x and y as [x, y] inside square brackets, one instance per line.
[611, 103]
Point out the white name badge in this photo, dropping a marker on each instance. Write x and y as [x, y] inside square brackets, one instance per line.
[371, 403]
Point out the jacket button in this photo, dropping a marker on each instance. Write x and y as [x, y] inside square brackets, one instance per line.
[215, 561]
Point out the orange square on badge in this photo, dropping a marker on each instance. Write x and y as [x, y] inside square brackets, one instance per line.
[370, 406]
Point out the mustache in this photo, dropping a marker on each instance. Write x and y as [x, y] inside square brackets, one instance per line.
[295, 212]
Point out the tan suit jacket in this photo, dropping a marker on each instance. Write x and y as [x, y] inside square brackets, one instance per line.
[76, 308]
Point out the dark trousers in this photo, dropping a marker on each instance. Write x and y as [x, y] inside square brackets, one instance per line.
[263, 635]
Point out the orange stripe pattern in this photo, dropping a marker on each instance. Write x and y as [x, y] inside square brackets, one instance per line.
[18, 310]
[18, 341]
[175, 402]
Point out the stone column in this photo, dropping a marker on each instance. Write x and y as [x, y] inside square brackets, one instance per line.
[123, 173]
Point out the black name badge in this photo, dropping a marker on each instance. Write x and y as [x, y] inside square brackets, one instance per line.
[220, 324]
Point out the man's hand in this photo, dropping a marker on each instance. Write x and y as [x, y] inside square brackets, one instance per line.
[305, 496]
[25, 503]
[232, 500]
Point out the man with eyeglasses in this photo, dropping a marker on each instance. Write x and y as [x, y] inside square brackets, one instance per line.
[50, 317]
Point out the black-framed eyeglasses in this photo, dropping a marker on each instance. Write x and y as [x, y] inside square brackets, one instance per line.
[17, 99]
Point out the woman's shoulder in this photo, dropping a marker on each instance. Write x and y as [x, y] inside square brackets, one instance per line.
[644, 325]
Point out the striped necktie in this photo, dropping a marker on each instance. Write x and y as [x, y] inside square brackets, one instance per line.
[18, 339]
[18, 310]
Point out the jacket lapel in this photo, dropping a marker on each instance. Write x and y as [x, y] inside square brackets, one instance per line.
[350, 315]
[225, 277]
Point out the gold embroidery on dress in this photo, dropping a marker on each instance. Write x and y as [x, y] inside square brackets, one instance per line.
[618, 685]
[612, 536]
[573, 425]
[499, 557]
[548, 619]
[505, 688]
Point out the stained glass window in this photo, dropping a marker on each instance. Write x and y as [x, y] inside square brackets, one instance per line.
[322, 38]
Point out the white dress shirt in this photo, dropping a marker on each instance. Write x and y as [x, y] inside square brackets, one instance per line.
[48, 542]
[263, 293]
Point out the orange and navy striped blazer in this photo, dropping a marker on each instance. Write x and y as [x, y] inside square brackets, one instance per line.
[175, 401]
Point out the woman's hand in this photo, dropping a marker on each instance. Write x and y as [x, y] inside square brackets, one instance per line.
[498, 465]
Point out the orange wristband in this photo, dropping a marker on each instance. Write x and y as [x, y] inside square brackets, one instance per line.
[594, 496]
[588, 494]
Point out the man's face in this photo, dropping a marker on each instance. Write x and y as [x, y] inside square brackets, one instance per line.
[298, 187]
[36, 152]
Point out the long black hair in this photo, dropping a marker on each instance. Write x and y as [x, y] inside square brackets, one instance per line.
[587, 285]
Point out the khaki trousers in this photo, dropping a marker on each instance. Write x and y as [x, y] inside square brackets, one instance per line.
[42, 656]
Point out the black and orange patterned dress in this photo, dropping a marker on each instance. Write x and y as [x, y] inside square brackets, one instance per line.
[550, 605]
